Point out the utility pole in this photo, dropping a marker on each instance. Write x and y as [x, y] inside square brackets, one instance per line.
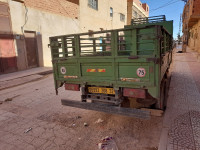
[179, 32]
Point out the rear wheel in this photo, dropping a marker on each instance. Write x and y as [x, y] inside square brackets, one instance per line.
[163, 95]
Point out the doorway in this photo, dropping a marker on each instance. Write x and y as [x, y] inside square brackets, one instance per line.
[31, 49]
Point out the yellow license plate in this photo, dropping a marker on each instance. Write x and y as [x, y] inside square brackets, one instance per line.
[101, 90]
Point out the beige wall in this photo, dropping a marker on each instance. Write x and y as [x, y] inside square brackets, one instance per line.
[4, 1]
[91, 19]
[49, 22]
[191, 24]
[44, 23]
[140, 9]
[135, 6]
[194, 40]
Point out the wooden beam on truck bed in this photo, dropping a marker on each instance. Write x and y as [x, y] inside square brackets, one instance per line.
[154, 112]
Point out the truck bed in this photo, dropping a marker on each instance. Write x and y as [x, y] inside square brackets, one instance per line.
[114, 64]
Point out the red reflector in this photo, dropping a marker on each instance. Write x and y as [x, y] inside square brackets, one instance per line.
[72, 87]
[135, 93]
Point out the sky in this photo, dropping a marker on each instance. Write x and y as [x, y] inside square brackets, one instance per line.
[170, 8]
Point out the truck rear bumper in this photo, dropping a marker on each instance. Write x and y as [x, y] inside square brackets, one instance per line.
[131, 112]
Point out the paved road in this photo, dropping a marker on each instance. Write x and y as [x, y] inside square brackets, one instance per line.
[181, 125]
[34, 105]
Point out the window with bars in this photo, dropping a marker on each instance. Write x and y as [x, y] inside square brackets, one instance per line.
[93, 4]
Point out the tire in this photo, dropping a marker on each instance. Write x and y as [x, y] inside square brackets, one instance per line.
[163, 96]
[162, 102]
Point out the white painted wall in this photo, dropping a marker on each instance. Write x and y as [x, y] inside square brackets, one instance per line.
[48, 24]
[44, 23]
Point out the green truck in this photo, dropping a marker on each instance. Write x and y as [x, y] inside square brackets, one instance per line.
[117, 71]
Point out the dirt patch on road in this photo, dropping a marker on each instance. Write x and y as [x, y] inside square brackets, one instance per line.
[66, 120]
[128, 133]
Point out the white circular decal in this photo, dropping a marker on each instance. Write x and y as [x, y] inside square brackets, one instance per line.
[141, 72]
[63, 70]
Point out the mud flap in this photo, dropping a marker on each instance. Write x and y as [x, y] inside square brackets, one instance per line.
[131, 112]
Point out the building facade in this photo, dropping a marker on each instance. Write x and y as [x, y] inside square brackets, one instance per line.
[136, 9]
[25, 28]
[26, 25]
[191, 25]
[96, 15]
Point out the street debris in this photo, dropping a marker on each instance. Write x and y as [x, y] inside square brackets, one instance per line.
[85, 124]
[29, 129]
[107, 143]
[11, 98]
[8, 99]
[99, 121]
[78, 117]
[73, 124]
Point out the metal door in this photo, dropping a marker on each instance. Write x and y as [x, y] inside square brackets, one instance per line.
[8, 56]
[8, 61]
[31, 49]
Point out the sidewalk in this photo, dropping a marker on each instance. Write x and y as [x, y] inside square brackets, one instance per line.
[21, 77]
[19, 74]
[181, 125]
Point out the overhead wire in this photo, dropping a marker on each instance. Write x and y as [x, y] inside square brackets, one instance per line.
[169, 2]
[69, 16]
[162, 6]
[165, 5]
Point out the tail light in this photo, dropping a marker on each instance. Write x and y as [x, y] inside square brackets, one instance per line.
[72, 87]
